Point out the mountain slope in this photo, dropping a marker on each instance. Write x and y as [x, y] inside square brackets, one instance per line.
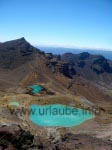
[15, 53]
[22, 64]
[94, 68]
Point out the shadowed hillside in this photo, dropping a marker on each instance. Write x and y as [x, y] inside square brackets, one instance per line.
[22, 64]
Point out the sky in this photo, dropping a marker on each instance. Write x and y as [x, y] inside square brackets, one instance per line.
[65, 23]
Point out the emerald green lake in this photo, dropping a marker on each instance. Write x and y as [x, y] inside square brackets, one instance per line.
[58, 115]
[36, 88]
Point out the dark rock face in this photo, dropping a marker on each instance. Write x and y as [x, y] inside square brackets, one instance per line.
[58, 66]
[49, 56]
[84, 55]
[81, 64]
[101, 65]
[97, 63]
[15, 53]
[94, 67]
[15, 138]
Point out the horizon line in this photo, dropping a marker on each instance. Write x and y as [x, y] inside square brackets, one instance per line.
[73, 48]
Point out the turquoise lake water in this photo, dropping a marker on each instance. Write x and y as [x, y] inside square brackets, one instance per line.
[58, 115]
[36, 88]
[14, 103]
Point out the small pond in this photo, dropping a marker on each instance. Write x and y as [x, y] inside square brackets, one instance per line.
[14, 103]
[36, 88]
